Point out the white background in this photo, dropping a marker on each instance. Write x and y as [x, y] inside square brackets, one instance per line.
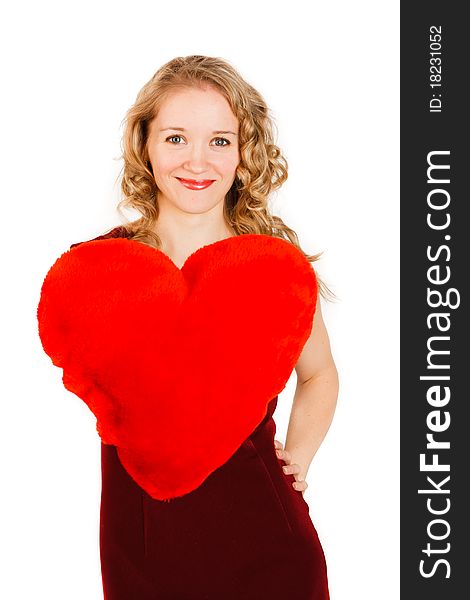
[329, 72]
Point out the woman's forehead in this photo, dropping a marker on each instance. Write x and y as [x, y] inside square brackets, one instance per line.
[184, 109]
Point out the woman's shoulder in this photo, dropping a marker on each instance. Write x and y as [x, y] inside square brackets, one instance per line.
[115, 232]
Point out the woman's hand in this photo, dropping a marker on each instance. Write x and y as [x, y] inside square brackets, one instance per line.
[290, 468]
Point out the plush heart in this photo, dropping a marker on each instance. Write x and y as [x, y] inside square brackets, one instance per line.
[177, 365]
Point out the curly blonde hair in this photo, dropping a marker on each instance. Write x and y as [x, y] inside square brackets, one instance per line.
[262, 168]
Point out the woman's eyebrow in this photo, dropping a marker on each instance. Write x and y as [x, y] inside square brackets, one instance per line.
[183, 129]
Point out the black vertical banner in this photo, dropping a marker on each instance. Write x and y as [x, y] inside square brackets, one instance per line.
[435, 269]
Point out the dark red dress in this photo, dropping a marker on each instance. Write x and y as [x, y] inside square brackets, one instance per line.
[244, 534]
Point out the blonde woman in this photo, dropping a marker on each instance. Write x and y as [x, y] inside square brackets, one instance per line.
[179, 330]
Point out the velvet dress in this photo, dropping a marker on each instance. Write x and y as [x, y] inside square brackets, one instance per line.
[244, 534]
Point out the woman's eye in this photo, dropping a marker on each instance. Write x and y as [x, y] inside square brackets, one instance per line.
[172, 137]
[224, 140]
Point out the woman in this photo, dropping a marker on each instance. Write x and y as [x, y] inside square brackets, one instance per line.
[198, 499]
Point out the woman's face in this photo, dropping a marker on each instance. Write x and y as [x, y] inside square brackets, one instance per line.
[194, 137]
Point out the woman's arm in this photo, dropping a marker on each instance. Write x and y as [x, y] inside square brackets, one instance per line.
[314, 402]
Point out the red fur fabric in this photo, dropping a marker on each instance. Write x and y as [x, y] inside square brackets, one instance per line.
[177, 365]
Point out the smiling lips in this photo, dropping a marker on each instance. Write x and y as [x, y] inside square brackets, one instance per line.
[194, 184]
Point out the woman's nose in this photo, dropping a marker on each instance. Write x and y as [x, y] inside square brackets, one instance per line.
[197, 158]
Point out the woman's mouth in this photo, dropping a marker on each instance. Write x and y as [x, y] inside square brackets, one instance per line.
[196, 184]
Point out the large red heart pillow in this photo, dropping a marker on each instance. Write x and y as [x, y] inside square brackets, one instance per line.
[177, 365]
